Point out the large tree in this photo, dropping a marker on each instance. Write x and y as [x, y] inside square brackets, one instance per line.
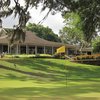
[43, 32]
[18, 11]
[72, 32]
[96, 44]
[89, 11]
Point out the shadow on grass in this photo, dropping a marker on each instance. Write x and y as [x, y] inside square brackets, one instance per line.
[32, 74]
[51, 92]
[49, 98]
[15, 77]
[57, 71]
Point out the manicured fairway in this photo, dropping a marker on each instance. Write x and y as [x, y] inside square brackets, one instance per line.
[48, 79]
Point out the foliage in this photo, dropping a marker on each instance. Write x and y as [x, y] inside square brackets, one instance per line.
[89, 11]
[43, 32]
[72, 31]
[96, 45]
[20, 12]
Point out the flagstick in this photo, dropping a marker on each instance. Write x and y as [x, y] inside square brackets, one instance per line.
[60, 55]
[66, 77]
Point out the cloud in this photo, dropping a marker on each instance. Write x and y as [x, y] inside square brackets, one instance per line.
[55, 22]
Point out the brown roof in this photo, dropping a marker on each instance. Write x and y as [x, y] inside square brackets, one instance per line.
[32, 39]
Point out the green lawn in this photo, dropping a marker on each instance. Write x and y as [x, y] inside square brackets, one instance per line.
[48, 79]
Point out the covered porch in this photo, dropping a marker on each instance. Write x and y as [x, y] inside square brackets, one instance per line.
[33, 45]
[26, 49]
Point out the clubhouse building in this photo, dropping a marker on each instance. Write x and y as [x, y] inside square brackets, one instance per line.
[35, 45]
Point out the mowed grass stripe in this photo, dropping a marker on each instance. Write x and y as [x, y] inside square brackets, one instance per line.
[54, 79]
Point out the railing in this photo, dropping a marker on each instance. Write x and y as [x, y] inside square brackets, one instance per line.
[84, 57]
[93, 59]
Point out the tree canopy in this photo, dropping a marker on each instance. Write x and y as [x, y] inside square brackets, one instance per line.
[43, 32]
[72, 31]
[88, 10]
[96, 45]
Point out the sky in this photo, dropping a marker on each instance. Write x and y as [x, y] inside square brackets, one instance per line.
[55, 22]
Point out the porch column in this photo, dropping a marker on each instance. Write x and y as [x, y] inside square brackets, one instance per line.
[52, 50]
[27, 49]
[35, 49]
[44, 50]
[75, 50]
[8, 48]
[17, 49]
[1, 48]
[67, 51]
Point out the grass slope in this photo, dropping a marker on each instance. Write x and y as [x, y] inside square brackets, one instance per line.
[48, 79]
